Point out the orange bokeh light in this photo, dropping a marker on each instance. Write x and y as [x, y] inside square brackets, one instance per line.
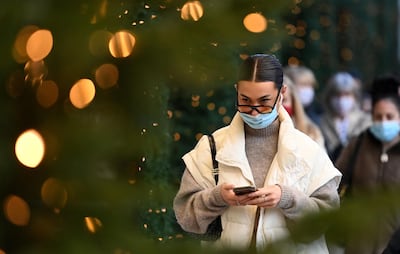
[255, 23]
[192, 10]
[39, 45]
[82, 93]
[17, 211]
[121, 44]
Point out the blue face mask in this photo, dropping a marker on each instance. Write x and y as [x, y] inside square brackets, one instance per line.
[385, 131]
[260, 121]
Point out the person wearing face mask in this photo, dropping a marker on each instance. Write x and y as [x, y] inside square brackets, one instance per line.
[259, 148]
[305, 83]
[343, 117]
[301, 121]
[375, 170]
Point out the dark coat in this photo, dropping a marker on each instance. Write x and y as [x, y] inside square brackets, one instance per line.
[374, 171]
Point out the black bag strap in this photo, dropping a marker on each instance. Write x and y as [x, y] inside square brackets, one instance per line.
[348, 175]
[213, 154]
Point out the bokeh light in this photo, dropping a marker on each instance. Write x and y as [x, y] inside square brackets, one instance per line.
[315, 35]
[121, 44]
[54, 194]
[19, 49]
[222, 110]
[82, 93]
[30, 148]
[291, 29]
[192, 10]
[39, 45]
[107, 76]
[47, 93]
[16, 210]
[293, 60]
[93, 224]
[255, 23]
[346, 54]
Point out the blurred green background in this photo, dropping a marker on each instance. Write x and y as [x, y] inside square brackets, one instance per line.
[117, 162]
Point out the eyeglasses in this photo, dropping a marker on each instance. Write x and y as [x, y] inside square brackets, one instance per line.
[261, 109]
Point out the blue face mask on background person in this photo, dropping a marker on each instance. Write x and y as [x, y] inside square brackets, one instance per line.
[260, 121]
[385, 131]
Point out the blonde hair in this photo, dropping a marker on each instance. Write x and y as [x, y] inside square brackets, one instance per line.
[300, 119]
[296, 71]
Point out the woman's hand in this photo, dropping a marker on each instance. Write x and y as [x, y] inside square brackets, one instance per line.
[266, 197]
[231, 198]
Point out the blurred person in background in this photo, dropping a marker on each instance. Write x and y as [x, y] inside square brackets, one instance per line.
[343, 118]
[301, 121]
[306, 84]
[372, 161]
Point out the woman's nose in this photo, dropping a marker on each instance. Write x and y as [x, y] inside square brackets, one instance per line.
[254, 112]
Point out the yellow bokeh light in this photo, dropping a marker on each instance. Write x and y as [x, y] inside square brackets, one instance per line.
[47, 93]
[255, 23]
[170, 114]
[82, 93]
[54, 194]
[121, 44]
[299, 43]
[30, 148]
[222, 110]
[210, 93]
[198, 136]
[195, 97]
[293, 61]
[346, 54]
[211, 106]
[39, 45]
[315, 35]
[192, 10]
[93, 224]
[107, 75]
[300, 31]
[226, 119]
[19, 49]
[291, 29]
[177, 136]
[17, 211]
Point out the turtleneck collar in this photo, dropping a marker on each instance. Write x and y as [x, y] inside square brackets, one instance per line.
[271, 130]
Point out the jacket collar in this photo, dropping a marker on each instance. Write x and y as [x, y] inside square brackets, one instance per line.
[232, 152]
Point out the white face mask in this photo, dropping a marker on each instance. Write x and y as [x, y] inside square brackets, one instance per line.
[343, 105]
[306, 95]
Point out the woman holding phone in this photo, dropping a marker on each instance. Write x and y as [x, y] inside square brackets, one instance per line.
[292, 174]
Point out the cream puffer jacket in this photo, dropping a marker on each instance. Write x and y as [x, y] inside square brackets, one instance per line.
[299, 163]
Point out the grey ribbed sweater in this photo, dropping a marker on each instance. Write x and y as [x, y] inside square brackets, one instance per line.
[261, 146]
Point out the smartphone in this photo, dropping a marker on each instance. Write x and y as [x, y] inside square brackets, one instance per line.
[244, 190]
